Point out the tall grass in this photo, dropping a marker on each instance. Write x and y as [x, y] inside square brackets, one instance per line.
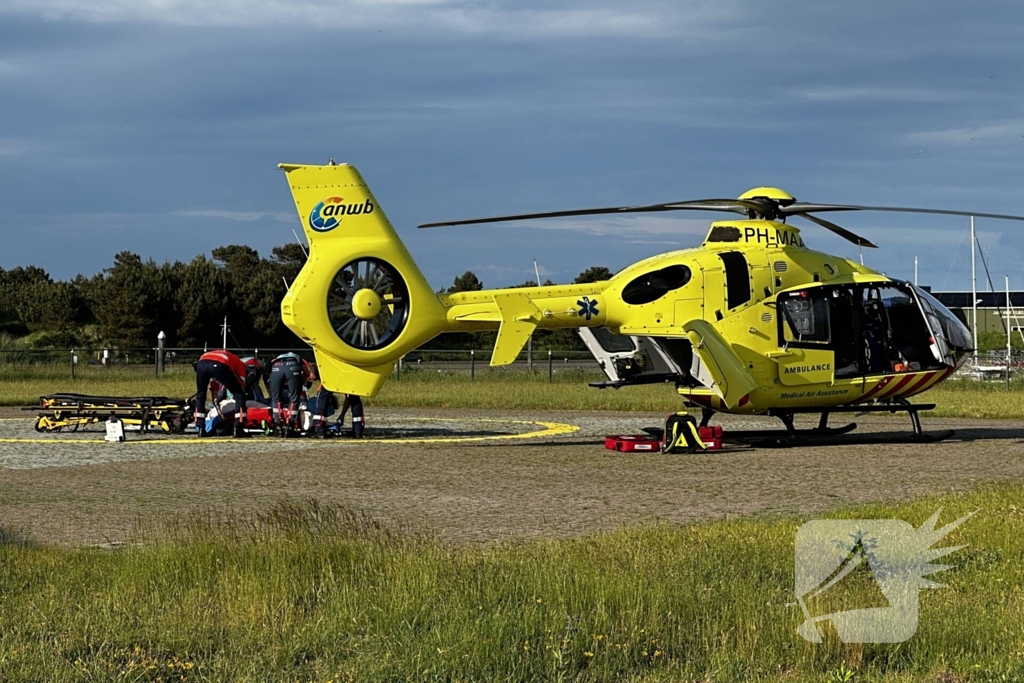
[315, 593]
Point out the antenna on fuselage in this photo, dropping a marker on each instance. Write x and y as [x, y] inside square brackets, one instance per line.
[301, 245]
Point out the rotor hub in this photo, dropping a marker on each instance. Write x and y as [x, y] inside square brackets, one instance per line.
[366, 304]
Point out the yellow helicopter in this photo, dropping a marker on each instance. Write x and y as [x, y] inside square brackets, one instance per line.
[749, 322]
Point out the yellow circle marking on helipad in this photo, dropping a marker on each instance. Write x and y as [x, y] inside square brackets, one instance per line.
[547, 429]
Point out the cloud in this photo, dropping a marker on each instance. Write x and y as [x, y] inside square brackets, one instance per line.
[242, 216]
[873, 94]
[466, 17]
[626, 227]
[12, 147]
[10, 67]
[1007, 130]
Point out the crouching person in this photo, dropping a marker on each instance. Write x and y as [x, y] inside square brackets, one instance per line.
[321, 407]
[358, 422]
[229, 372]
[289, 374]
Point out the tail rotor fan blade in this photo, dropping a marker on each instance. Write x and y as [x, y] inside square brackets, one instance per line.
[384, 281]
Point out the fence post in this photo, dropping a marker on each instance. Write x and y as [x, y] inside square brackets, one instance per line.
[74, 361]
[550, 370]
[472, 364]
[159, 364]
[398, 367]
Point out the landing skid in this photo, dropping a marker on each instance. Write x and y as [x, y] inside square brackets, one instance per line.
[823, 435]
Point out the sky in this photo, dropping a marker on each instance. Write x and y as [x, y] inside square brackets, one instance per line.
[155, 125]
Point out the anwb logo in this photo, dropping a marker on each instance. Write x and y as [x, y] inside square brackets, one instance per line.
[864, 575]
[327, 214]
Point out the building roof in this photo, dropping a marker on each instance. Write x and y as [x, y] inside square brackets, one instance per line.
[985, 299]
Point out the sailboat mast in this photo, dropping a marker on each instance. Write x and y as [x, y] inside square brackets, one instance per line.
[974, 294]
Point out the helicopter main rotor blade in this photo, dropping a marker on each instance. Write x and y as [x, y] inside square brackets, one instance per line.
[805, 207]
[727, 205]
[842, 232]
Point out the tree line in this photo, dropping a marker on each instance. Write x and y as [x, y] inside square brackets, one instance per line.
[128, 304]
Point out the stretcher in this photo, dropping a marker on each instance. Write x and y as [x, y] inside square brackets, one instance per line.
[309, 418]
[70, 412]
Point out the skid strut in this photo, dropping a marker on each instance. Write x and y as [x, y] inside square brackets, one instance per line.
[824, 435]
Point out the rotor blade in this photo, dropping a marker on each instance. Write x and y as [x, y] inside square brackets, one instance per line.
[842, 232]
[804, 207]
[729, 205]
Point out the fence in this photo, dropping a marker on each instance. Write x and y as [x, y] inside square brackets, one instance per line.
[152, 362]
[475, 363]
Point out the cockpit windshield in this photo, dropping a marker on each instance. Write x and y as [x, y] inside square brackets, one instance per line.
[873, 327]
[957, 335]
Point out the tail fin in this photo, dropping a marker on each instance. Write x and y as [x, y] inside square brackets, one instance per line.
[360, 301]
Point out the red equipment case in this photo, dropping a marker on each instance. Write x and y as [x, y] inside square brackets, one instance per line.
[712, 437]
[632, 442]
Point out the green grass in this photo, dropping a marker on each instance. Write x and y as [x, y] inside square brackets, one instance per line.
[314, 593]
[23, 385]
[967, 398]
[491, 389]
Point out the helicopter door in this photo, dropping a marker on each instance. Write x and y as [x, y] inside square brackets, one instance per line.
[805, 333]
[630, 360]
[714, 294]
[716, 365]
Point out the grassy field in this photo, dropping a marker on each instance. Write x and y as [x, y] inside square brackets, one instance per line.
[490, 389]
[308, 592]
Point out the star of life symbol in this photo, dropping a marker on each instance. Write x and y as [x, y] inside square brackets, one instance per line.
[898, 557]
[588, 307]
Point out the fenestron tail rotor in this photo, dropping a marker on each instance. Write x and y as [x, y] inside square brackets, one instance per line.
[766, 203]
[368, 303]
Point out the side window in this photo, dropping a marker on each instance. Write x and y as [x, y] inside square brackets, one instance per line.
[737, 278]
[804, 318]
[611, 342]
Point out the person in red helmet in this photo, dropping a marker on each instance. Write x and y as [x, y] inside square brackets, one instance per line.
[229, 371]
